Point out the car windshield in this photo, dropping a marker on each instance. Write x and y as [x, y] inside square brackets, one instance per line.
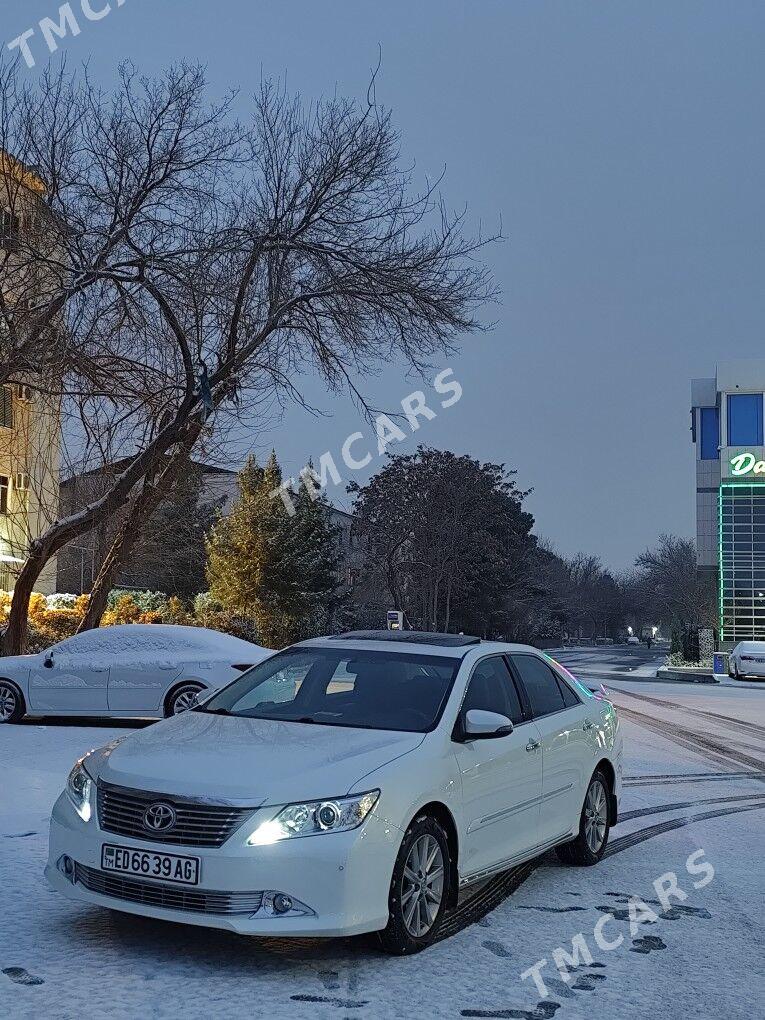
[366, 689]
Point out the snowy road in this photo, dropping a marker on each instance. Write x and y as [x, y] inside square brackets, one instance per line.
[696, 781]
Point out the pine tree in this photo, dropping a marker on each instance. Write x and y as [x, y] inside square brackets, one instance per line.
[265, 564]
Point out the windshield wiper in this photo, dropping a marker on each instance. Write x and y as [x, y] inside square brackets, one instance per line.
[212, 711]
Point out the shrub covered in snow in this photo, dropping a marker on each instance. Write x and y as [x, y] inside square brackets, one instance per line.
[61, 601]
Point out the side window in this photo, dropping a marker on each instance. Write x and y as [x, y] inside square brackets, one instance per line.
[491, 689]
[569, 698]
[541, 684]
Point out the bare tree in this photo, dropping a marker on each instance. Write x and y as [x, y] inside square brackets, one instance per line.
[205, 265]
[672, 584]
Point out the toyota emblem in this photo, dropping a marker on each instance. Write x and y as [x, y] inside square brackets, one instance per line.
[159, 817]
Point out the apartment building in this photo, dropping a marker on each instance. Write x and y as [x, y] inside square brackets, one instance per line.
[29, 418]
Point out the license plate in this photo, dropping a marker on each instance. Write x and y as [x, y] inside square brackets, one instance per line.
[147, 864]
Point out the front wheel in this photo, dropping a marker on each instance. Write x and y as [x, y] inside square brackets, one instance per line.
[419, 889]
[11, 703]
[594, 826]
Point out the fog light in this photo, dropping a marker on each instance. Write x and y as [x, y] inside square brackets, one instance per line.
[279, 904]
[65, 865]
[282, 903]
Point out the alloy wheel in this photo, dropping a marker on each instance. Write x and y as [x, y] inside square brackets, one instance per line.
[184, 700]
[595, 816]
[422, 885]
[7, 702]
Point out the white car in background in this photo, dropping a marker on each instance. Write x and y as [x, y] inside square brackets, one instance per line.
[747, 659]
[135, 669]
[344, 785]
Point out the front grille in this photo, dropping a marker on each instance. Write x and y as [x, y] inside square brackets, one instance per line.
[121, 810]
[198, 901]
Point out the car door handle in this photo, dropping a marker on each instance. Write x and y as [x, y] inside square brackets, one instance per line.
[588, 724]
[533, 745]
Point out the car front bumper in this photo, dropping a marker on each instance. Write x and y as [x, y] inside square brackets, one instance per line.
[344, 878]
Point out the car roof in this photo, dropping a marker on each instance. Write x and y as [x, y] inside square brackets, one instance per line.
[154, 633]
[755, 646]
[414, 642]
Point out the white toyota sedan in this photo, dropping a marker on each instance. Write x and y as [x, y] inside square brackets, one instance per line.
[131, 670]
[747, 659]
[347, 784]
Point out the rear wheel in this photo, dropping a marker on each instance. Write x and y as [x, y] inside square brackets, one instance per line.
[594, 825]
[419, 889]
[182, 698]
[12, 706]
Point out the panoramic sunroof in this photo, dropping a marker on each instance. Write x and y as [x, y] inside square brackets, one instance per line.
[416, 637]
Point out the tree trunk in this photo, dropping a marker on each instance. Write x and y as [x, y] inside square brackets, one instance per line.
[15, 633]
[120, 549]
[144, 506]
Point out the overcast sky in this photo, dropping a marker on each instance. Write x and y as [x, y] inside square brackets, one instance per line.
[622, 146]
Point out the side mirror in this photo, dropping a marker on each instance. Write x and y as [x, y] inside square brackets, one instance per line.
[48, 662]
[480, 725]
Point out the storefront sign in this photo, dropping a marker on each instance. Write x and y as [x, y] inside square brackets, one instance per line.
[746, 464]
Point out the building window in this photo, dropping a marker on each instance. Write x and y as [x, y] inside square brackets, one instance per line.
[745, 419]
[9, 230]
[4, 482]
[710, 433]
[6, 407]
[742, 562]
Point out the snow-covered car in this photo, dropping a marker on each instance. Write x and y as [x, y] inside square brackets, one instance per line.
[747, 659]
[150, 670]
[633, 640]
[345, 785]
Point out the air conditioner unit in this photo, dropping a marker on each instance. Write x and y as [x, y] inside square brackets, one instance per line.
[25, 393]
[21, 481]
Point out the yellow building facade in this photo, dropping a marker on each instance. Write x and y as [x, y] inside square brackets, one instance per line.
[30, 420]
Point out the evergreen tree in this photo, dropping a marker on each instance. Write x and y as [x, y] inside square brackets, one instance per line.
[277, 569]
[235, 547]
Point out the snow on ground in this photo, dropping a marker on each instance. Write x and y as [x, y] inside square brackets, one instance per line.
[704, 959]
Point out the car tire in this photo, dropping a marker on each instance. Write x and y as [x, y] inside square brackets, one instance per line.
[594, 826]
[12, 707]
[179, 699]
[414, 915]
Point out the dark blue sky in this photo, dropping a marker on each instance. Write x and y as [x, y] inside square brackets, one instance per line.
[622, 146]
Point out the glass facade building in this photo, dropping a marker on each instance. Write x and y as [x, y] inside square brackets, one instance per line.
[742, 561]
[727, 427]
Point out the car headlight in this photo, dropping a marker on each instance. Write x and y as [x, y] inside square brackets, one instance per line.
[315, 817]
[79, 790]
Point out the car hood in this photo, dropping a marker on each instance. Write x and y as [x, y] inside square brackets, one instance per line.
[259, 761]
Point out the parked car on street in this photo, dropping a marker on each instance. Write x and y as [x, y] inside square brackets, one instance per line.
[633, 640]
[747, 659]
[347, 784]
[135, 669]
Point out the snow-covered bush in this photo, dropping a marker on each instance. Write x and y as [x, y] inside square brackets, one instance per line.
[60, 600]
[205, 603]
[146, 601]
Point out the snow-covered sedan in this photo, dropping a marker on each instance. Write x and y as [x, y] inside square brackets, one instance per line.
[136, 669]
[747, 659]
[344, 785]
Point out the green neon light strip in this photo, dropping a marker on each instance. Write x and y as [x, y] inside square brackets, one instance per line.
[720, 559]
